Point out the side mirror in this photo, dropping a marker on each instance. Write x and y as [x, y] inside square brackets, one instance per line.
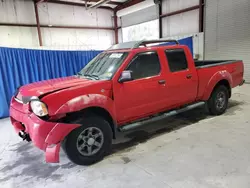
[125, 76]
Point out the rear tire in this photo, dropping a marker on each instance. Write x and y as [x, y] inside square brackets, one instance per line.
[218, 101]
[89, 143]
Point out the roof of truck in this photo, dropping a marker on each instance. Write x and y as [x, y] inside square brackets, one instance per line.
[143, 43]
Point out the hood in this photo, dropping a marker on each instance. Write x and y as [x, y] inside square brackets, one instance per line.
[48, 86]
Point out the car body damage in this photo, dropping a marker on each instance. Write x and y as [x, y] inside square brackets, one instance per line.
[120, 89]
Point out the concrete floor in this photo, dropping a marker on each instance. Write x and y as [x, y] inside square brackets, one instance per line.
[188, 150]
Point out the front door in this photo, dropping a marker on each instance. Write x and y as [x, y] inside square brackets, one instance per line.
[145, 93]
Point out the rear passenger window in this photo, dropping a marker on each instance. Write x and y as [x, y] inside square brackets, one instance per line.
[176, 60]
[145, 65]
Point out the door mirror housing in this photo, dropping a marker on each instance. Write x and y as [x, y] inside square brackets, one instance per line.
[125, 76]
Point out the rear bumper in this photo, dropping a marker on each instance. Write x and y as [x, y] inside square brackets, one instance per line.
[45, 135]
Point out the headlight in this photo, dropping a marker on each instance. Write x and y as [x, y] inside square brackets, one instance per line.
[39, 108]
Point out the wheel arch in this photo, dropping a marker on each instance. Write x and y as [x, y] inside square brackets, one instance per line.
[220, 78]
[102, 112]
[78, 116]
[225, 83]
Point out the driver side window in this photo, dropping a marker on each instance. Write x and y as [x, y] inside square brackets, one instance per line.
[144, 65]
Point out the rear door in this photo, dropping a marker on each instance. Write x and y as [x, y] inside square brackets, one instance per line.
[145, 93]
[182, 79]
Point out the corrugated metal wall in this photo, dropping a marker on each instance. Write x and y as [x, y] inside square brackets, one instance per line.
[176, 25]
[227, 31]
[22, 11]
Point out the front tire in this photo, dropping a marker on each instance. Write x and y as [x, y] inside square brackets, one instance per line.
[218, 101]
[89, 143]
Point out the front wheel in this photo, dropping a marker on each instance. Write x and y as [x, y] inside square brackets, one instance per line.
[218, 101]
[90, 142]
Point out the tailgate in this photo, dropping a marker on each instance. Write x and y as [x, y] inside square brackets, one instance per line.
[236, 69]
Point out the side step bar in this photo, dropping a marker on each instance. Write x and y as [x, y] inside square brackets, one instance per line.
[160, 117]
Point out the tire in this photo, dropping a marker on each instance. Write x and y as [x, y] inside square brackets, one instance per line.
[95, 133]
[218, 101]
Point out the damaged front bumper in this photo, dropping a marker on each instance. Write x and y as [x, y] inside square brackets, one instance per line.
[45, 135]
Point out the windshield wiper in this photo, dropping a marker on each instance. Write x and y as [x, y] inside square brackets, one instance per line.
[79, 74]
[92, 76]
[96, 77]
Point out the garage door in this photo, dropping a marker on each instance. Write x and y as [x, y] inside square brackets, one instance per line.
[137, 27]
[227, 31]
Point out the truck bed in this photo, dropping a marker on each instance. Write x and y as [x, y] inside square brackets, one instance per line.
[210, 63]
[208, 69]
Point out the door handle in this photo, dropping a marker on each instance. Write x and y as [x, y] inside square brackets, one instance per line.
[189, 76]
[162, 81]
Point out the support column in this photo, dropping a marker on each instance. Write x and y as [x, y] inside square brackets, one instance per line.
[116, 27]
[160, 20]
[201, 15]
[38, 24]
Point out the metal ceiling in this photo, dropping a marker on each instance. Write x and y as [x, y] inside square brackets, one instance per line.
[114, 5]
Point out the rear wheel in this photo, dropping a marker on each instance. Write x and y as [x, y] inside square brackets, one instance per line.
[218, 101]
[90, 142]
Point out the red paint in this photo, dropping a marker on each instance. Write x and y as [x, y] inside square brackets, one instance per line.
[17, 125]
[42, 133]
[52, 154]
[123, 101]
[58, 133]
[43, 87]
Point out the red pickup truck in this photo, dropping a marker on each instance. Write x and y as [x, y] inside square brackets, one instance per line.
[122, 88]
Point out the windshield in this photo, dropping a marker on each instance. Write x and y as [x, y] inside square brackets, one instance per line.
[103, 66]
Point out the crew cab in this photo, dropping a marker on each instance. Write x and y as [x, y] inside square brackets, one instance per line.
[122, 88]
